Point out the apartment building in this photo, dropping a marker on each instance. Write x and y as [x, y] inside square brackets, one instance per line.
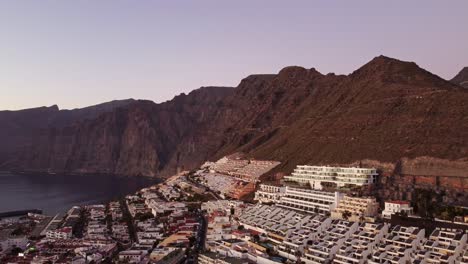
[240, 251]
[273, 221]
[254, 169]
[61, 233]
[355, 208]
[300, 235]
[267, 193]
[160, 208]
[397, 246]
[444, 246]
[215, 258]
[241, 189]
[299, 199]
[223, 205]
[248, 170]
[327, 242]
[310, 201]
[396, 207]
[360, 244]
[321, 176]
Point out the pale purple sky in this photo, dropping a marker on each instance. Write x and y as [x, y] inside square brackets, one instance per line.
[80, 53]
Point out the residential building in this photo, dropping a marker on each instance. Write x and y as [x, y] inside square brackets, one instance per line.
[397, 246]
[300, 199]
[327, 242]
[249, 170]
[359, 245]
[355, 208]
[60, 233]
[309, 201]
[267, 193]
[397, 207]
[223, 205]
[273, 221]
[298, 237]
[159, 208]
[444, 246]
[132, 255]
[215, 258]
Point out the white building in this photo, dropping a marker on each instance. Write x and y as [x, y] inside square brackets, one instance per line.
[10, 242]
[158, 208]
[300, 199]
[318, 176]
[273, 221]
[357, 208]
[269, 193]
[62, 233]
[219, 228]
[444, 246]
[397, 246]
[298, 237]
[360, 244]
[132, 255]
[328, 242]
[310, 201]
[223, 205]
[394, 207]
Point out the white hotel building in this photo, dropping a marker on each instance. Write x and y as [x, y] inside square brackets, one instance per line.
[299, 199]
[269, 193]
[310, 201]
[339, 176]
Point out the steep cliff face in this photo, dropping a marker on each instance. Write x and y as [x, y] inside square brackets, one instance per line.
[138, 139]
[385, 111]
[461, 78]
[19, 128]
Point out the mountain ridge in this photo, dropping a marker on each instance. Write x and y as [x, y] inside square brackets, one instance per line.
[384, 111]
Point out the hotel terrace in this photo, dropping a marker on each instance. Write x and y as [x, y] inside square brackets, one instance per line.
[318, 176]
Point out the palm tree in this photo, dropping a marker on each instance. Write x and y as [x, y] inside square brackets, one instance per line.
[346, 215]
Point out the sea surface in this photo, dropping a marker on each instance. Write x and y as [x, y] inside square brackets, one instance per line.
[55, 193]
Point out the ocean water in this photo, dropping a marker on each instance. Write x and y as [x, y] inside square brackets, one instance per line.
[55, 193]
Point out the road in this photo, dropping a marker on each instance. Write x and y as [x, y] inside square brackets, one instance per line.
[199, 244]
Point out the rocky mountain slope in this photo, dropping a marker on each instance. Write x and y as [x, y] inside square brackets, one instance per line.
[19, 127]
[139, 138]
[461, 78]
[385, 111]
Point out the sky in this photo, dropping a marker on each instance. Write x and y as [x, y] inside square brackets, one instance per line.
[81, 53]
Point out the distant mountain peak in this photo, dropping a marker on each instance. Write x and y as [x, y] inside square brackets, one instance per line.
[390, 70]
[297, 72]
[388, 65]
[461, 78]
